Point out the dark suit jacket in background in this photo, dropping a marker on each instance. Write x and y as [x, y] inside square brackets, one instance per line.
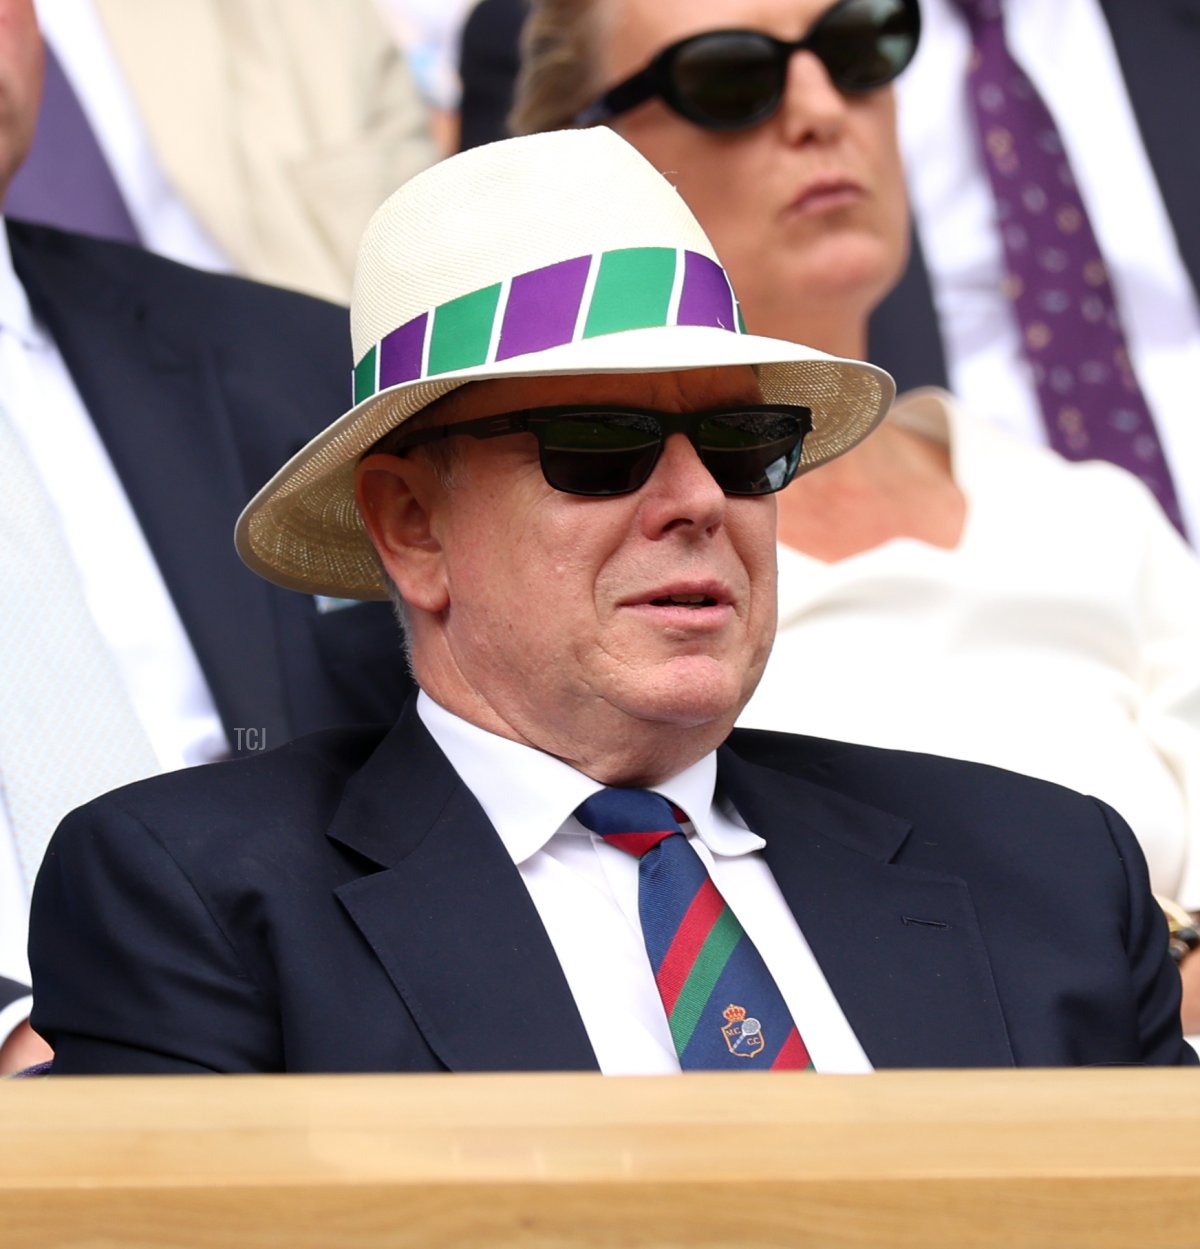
[200, 387]
[343, 904]
[1158, 47]
[488, 60]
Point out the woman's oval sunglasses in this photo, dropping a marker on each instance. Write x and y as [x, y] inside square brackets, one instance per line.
[604, 451]
[735, 79]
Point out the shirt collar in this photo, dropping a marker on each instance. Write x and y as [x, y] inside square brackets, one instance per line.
[16, 316]
[529, 795]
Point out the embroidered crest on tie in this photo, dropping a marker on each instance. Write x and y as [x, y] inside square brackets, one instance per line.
[723, 1007]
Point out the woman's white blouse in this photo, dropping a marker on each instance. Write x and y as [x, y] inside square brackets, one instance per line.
[1061, 638]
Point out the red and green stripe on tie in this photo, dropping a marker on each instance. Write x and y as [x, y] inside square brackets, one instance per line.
[723, 1007]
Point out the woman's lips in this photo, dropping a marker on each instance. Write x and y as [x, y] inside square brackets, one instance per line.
[826, 195]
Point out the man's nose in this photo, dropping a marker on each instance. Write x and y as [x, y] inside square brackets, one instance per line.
[681, 492]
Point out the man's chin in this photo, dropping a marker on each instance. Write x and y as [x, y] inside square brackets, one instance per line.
[690, 705]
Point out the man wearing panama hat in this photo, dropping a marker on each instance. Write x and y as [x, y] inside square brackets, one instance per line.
[560, 462]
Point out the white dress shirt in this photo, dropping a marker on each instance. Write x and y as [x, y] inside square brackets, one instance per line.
[585, 892]
[121, 583]
[1066, 49]
[165, 223]
[430, 32]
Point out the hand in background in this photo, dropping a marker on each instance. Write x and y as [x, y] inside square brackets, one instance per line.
[1189, 969]
[23, 1048]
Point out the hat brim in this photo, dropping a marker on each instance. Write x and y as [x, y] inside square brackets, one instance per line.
[303, 531]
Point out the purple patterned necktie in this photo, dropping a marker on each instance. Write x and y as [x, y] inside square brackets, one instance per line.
[723, 1006]
[65, 180]
[1057, 282]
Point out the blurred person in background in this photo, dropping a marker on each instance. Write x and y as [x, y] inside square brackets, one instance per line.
[995, 601]
[429, 32]
[253, 137]
[140, 401]
[1116, 78]
[1055, 264]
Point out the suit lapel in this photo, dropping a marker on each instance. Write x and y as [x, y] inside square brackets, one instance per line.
[159, 408]
[1158, 46]
[900, 947]
[452, 923]
[449, 916]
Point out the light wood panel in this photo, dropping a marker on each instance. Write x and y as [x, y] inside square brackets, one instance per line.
[1102, 1159]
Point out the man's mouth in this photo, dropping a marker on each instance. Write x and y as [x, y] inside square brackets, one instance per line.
[684, 600]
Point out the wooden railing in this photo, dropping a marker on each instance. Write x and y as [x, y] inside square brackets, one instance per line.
[903, 1160]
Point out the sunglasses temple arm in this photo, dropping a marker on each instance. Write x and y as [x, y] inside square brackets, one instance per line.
[594, 115]
[624, 96]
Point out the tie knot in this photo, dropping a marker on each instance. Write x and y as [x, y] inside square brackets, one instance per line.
[633, 820]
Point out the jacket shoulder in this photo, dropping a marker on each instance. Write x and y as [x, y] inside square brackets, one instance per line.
[299, 784]
[44, 256]
[895, 780]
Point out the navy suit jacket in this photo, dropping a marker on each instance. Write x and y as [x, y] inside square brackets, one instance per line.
[1158, 47]
[343, 904]
[200, 386]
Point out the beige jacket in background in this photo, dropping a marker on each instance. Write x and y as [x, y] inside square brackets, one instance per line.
[283, 124]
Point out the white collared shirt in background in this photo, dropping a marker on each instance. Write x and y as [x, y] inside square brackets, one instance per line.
[122, 585]
[1066, 49]
[165, 223]
[585, 892]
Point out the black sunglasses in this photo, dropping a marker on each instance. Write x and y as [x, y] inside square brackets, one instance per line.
[735, 79]
[600, 451]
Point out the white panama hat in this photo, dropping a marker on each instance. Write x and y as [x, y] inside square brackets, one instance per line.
[558, 253]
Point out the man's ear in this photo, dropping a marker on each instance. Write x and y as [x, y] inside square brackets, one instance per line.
[396, 496]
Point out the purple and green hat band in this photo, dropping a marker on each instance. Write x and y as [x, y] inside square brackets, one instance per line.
[585, 297]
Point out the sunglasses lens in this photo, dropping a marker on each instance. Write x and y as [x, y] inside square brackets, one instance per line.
[600, 455]
[728, 79]
[864, 44]
[753, 452]
[756, 451]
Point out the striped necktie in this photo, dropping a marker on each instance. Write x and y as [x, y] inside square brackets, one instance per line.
[724, 1009]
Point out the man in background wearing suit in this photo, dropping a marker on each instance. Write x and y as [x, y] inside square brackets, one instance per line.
[1117, 78]
[564, 453]
[255, 137]
[142, 402]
